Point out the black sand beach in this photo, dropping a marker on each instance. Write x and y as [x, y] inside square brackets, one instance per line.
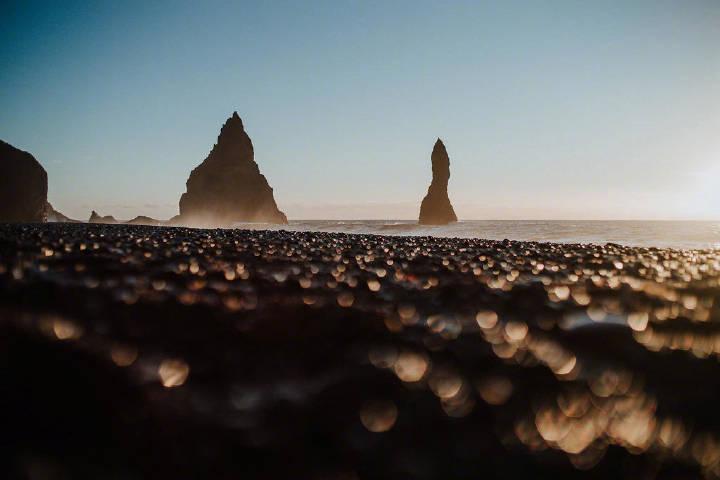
[147, 352]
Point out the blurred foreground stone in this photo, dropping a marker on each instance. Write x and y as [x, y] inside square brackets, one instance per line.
[136, 352]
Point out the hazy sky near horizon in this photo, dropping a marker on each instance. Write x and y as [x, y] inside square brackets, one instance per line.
[549, 109]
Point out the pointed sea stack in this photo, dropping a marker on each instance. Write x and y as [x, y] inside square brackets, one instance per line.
[436, 208]
[227, 187]
[23, 186]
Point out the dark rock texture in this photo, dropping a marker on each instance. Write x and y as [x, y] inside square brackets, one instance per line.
[227, 187]
[131, 352]
[97, 218]
[436, 208]
[23, 186]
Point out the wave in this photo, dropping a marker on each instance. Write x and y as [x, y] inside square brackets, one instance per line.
[670, 234]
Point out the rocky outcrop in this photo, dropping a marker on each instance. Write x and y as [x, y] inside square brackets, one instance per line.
[96, 218]
[109, 219]
[436, 208]
[143, 220]
[23, 186]
[53, 216]
[227, 187]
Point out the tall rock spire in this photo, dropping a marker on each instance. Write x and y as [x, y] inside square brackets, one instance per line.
[436, 208]
[227, 187]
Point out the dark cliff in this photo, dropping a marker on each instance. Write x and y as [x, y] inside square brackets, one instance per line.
[23, 186]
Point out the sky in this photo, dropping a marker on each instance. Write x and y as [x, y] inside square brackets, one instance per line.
[549, 109]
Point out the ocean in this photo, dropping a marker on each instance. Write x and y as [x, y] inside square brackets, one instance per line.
[670, 234]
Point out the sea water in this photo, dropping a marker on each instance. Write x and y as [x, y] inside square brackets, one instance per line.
[671, 234]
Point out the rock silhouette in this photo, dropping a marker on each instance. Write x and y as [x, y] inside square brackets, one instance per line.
[109, 219]
[227, 187]
[96, 218]
[436, 208]
[143, 220]
[53, 216]
[23, 186]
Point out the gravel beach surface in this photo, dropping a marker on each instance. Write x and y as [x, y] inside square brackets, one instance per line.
[156, 352]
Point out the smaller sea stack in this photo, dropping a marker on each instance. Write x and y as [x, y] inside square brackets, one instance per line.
[97, 218]
[436, 208]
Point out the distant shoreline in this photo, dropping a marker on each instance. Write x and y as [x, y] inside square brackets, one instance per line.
[681, 234]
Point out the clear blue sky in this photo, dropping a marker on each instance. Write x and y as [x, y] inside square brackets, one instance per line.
[549, 109]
